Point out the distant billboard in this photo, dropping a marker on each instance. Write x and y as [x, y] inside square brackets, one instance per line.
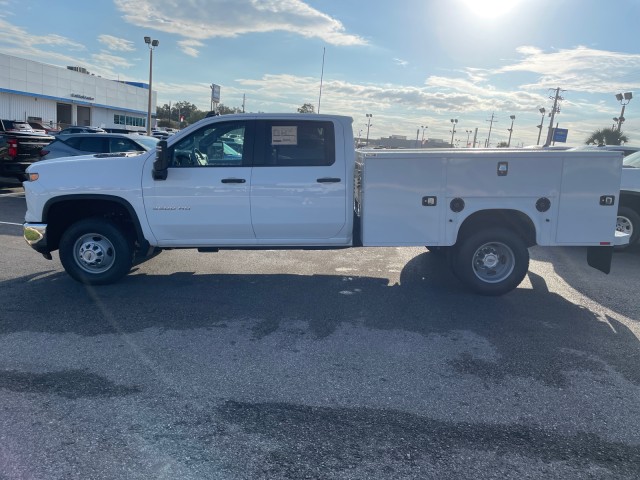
[215, 93]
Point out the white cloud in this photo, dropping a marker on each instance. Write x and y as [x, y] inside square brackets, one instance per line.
[399, 61]
[189, 47]
[108, 61]
[115, 43]
[15, 36]
[579, 69]
[202, 19]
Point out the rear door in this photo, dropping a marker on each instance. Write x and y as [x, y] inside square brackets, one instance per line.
[298, 183]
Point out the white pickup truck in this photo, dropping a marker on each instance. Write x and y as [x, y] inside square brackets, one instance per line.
[294, 181]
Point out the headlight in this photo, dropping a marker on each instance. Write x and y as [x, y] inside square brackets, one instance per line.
[32, 177]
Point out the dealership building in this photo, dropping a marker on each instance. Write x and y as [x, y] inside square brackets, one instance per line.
[60, 96]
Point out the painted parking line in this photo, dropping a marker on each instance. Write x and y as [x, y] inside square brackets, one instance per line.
[11, 223]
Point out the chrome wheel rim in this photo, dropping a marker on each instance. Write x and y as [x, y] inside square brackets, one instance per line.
[94, 253]
[624, 225]
[493, 262]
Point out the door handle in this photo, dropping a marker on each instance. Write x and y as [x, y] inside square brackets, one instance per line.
[233, 180]
[329, 180]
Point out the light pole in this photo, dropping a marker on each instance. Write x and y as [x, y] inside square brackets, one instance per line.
[151, 44]
[468, 132]
[624, 99]
[540, 127]
[424, 127]
[512, 117]
[454, 121]
[369, 117]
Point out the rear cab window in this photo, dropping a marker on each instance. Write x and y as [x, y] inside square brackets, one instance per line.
[299, 143]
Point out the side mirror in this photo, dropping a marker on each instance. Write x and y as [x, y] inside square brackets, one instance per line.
[161, 163]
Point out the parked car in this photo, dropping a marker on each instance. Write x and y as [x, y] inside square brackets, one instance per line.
[16, 126]
[20, 146]
[628, 220]
[48, 129]
[88, 143]
[70, 130]
[123, 130]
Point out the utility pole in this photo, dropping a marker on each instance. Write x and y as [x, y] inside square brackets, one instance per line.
[243, 99]
[324, 50]
[513, 118]
[556, 98]
[490, 126]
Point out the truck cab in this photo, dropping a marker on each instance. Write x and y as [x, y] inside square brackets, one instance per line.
[281, 180]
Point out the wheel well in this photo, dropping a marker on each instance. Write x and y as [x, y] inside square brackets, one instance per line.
[61, 213]
[631, 200]
[513, 220]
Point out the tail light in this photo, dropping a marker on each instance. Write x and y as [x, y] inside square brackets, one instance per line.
[44, 152]
[13, 147]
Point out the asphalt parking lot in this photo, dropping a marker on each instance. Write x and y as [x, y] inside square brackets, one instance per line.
[351, 364]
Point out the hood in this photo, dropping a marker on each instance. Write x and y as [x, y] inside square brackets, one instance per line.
[97, 158]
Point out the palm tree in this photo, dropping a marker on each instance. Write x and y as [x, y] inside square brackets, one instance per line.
[607, 136]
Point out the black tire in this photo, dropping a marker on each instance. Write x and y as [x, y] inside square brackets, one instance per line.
[491, 262]
[438, 251]
[95, 251]
[628, 221]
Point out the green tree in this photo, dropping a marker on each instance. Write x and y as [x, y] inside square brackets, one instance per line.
[606, 136]
[224, 110]
[306, 108]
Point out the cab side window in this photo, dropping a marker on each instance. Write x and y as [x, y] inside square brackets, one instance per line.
[299, 143]
[216, 145]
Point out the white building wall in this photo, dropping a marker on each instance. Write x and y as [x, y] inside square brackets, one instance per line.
[29, 88]
[20, 108]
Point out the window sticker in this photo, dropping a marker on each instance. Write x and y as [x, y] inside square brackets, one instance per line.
[284, 135]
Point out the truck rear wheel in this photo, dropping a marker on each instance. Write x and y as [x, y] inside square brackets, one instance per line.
[95, 251]
[628, 221]
[491, 262]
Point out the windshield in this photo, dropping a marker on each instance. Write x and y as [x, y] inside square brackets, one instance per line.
[632, 161]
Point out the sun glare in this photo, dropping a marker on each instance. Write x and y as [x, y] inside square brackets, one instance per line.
[490, 8]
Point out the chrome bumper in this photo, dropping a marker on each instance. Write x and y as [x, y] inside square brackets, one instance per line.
[35, 234]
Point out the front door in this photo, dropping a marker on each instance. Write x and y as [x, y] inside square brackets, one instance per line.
[298, 185]
[205, 199]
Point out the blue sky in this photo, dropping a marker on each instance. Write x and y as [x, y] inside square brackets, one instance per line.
[409, 63]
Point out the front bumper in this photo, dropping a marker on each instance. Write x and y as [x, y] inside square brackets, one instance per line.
[35, 234]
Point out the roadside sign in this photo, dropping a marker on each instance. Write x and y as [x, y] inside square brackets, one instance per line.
[215, 93]
[560, 135]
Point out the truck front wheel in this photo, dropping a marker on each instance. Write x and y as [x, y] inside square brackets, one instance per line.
[491, 262]
[95, 251]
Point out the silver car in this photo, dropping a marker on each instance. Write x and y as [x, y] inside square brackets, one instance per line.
[88, 143]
